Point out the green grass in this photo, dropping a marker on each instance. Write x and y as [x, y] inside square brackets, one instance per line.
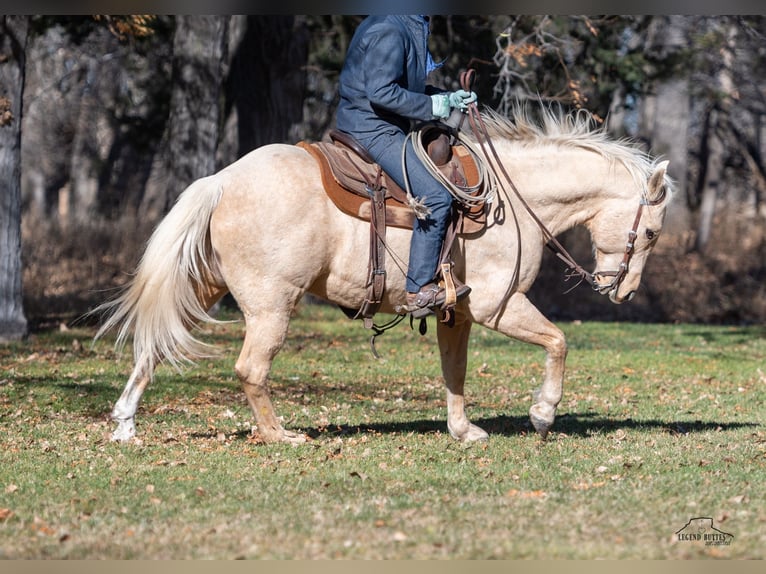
[659, 424]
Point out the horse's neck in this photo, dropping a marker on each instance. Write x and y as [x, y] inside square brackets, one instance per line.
[565, 187]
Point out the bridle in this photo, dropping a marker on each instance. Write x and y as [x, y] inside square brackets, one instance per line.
[574, 269]
[619, 275]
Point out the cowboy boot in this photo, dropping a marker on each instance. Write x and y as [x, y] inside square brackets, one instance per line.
[430, 298]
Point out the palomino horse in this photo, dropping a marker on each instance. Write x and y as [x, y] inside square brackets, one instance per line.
[264, 230]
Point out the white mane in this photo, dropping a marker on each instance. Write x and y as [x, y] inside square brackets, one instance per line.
[578, 129]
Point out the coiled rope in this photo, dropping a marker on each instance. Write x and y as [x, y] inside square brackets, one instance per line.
[483, 192]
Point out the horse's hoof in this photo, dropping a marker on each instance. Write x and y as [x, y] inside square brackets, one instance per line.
[125, 431]
[471, 434]
[542, 427]
[279, 435]
[542, 421]
[291, 437]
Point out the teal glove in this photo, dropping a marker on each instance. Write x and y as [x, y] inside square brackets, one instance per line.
[442, 104]
[460, 99]
[440, 107]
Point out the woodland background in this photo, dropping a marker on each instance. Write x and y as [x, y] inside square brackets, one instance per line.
[118, 114]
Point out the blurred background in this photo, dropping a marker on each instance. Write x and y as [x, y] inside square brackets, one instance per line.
[120, 114]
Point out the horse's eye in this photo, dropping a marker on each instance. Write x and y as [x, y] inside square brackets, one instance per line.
[650, 234]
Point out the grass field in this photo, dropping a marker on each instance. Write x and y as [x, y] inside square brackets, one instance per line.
[660, 424]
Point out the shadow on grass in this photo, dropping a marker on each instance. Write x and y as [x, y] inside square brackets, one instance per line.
[580, 425]
[95, 396]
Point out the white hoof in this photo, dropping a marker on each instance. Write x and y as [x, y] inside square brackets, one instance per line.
[291, 437]
[126, 430]
[470, 433]
[279, 435]
[542, 416]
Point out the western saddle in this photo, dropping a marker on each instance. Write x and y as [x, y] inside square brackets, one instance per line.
[360, 188]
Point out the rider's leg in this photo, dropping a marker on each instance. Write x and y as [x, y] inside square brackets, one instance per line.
[428, 233]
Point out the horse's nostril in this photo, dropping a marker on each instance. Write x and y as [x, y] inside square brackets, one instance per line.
[630, 295]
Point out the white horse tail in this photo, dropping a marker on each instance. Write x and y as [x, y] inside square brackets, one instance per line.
[160, 304]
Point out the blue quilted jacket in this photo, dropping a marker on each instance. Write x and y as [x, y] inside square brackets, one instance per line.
[383, 81]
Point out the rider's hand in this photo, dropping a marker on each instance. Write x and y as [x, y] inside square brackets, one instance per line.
[442, 104]
[461, 99]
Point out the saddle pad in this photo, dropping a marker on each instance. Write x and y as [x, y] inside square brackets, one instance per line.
[397, 214]
[344, 177]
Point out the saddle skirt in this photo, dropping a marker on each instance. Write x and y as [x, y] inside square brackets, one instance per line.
[347, 176]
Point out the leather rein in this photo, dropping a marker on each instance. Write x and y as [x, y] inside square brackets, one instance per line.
[574, 269]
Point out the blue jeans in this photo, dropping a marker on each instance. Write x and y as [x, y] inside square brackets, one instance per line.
[428, 233]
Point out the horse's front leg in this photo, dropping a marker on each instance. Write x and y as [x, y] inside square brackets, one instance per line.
[523, 321]
[453, 346]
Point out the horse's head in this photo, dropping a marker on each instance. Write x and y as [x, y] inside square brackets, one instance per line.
[624, 235]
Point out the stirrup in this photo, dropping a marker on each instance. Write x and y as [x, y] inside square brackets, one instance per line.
[429, 299]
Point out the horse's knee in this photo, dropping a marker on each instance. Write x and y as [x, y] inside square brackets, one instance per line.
[563, 348]
[557, 346]
[242, 370]
[249, 371]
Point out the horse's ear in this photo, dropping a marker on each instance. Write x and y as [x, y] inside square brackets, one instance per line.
[657, 191]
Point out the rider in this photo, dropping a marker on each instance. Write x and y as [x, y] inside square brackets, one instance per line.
[382, 90]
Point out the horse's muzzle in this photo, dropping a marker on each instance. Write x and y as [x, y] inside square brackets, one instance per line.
[615, 298]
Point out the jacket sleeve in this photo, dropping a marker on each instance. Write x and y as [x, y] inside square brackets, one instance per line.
[385, 74]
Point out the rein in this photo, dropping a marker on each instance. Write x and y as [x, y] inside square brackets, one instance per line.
[574, 269]
[473, 196]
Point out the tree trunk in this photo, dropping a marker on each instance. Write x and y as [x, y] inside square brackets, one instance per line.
[666, 118]
[13, 40]
[268, 80]
[716, 150]
[190, 141]
[85, 154]
[713, 158]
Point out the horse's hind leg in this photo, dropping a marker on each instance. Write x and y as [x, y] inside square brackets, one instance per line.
[264, 337]
[124, 411]
[453, 346]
